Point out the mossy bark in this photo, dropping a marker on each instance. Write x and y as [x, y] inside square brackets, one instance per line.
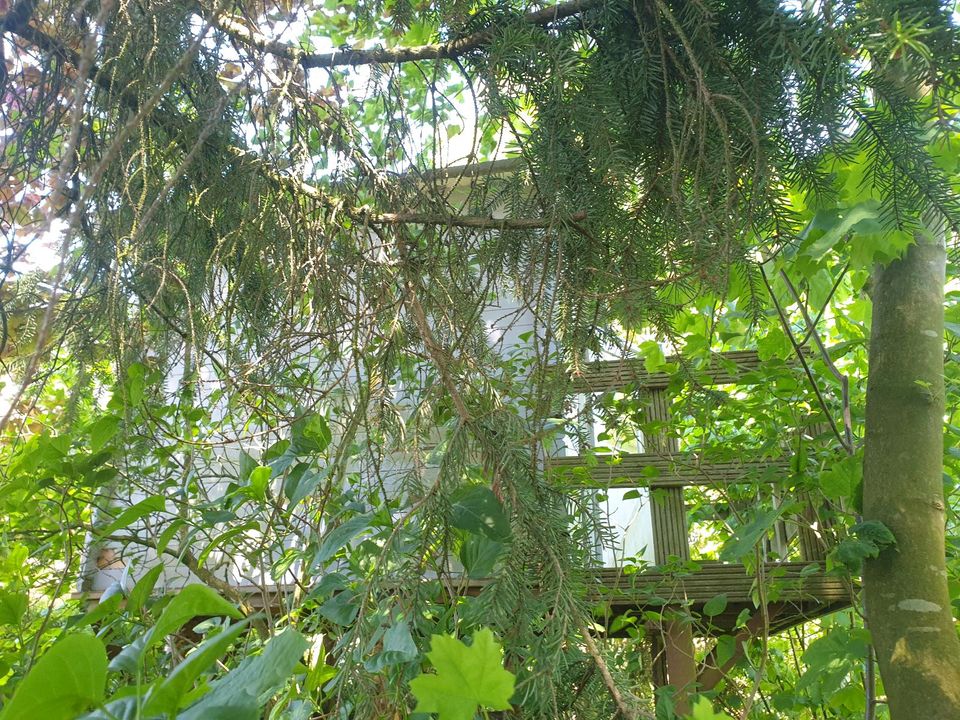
[905, 588]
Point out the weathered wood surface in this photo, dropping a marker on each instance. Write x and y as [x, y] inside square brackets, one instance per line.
[609, 375]
[630, 470]
[796, 592]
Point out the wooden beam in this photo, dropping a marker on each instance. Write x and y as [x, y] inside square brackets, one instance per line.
[609, 375]
[631, 470]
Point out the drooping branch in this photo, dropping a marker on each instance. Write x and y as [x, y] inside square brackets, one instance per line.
[49, 43]
[369, 217]
[455, 48]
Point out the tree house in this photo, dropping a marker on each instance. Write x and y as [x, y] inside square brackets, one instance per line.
[705, 597]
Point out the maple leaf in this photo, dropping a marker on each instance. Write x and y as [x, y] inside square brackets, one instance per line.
[466, 676]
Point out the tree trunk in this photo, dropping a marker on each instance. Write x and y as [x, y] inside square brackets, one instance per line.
[905, 588]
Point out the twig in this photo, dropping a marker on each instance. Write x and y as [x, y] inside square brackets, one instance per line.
[825, 356]
[798, 351]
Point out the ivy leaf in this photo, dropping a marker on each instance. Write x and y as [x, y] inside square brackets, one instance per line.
[467, 676]
[68, 679]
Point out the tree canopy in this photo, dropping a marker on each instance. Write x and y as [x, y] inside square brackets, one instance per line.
[274, 231]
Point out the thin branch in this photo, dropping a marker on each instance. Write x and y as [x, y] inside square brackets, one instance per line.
[243, 33]
[368, 217]
[785, 324]
[825, 356]
[623, 708]
[50, 44]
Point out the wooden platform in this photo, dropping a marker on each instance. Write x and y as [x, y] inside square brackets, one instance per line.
[795, 591]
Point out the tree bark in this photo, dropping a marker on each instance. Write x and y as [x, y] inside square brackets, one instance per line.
[905, 588]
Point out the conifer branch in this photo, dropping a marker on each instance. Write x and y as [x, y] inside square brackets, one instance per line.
[245, 34]
[51, 44]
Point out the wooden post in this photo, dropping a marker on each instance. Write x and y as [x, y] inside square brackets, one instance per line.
[668, 513]
[681, 662]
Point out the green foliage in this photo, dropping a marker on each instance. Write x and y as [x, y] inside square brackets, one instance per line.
[466, 676]
[244, 690]
[867, 540]
[67, 679]
[477, 510]
[703, 710]
[253, 370]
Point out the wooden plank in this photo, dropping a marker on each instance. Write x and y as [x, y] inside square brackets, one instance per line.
[608, 375]
[795, 579]
[669, 516]
[667, 510]
[631, 470]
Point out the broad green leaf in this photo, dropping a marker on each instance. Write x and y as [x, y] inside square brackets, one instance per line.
[102, 430]
[479, 555]
[147, 506]
[246, 465]
[397, 647]
[260, 481]
[125, 707]
[466, 677]
[68, 679]
[342, 608]
[165, 697]
[715, 605]
[192, 601]
[703, 710]
[653, 358]
[254, 681]
[141, 591]
[747, 536]
[310, 434]
[831, 658]
[13, 605]
[869, 248]
[301, 482]
[103, 609]
[867, 540]
[863, 217]
[842, 479]
[477, 510]
[340, 536]
[222, 538]
[135, 383]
